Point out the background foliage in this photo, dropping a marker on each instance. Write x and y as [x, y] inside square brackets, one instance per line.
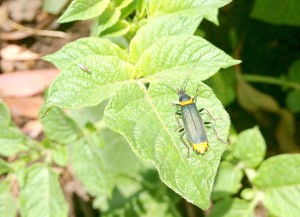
[118, 141]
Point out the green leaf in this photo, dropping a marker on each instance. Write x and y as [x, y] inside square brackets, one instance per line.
[60, 156]
[161, 27]
[89, 168]
[250, 147]
[277, 12]
[121, 3]
[42, 194]
[293, 100]
[183, 54]
[83, 9]
[279, 177]
[228, 180]
[144, 204]
[223, 85]
[207, 9]
[118, 29]
[4, 115]
[4, 167]
[146, 119]
[85, 47]
[124, 167]
[109, 18]
[59, 127]
[88, 114]
[129, 9]
[248, 193]
[7, 202]
[141, 8]
[232, 208]
[210, 14]
[12, 141]
[75, 88]
[294, 71]
[117, 155]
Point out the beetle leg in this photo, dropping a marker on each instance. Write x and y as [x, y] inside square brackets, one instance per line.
[177, 116]
[179, 126]
[182, 140]
[215, 131]
[181, 132]
[196, 94]
[208, 113]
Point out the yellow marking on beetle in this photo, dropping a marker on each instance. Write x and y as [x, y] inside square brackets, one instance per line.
[201, 148]
[190, 101]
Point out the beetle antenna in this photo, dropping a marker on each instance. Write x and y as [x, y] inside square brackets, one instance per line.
[169, 85]
[185, 81]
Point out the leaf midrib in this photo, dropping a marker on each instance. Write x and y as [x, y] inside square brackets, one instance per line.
[168, 132]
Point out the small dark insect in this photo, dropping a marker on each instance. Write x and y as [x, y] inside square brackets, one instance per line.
[193, 125]
[83, 67]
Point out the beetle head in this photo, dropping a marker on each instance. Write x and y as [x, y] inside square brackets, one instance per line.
[183, 96]
[181, 92]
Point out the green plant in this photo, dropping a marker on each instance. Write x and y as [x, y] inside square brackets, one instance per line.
[246, 180]
[128, 92]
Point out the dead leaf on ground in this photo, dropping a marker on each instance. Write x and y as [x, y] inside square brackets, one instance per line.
[26, 83]
[24, 10]
[254, 100]
[285, 132]
[24, 107]
[14, 52]
[33, 128]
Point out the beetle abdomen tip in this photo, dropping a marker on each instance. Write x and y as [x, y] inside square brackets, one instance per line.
[200, 148]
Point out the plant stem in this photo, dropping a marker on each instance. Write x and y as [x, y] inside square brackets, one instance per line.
[271, 80]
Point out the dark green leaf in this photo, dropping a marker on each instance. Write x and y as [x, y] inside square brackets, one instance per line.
[294, 71]
[277, 11]
[223, 85]
[293, 101]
